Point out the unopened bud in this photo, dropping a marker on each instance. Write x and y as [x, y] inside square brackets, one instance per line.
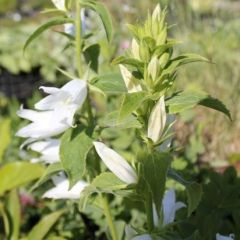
[135, 49]
[157, 120]
[153, 68]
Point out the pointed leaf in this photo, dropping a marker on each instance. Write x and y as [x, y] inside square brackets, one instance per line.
[5, 137]
[102, 11]
[45, 26]
[194, 195]
[188, 99]
[40, 230]
[91, 54]
[75, 145]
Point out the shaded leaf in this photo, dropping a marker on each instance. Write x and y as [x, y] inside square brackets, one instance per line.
[75, 145]
[91, 54]
[194, 195]
[5, 137]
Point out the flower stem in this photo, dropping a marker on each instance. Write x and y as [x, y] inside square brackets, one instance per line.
[78, 26]
[149, 212]
[109, 218]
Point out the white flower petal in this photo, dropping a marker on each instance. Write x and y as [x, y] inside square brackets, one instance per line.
[170, 206]
[221, 237]
[157, 120]
[61, 190]
[142, 237]
[117, 164]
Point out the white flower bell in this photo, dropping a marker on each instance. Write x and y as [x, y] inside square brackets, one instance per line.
[115, 163]
[221, 237]
[49, 150]
[131, 234]
[57, 110]
[61, 189]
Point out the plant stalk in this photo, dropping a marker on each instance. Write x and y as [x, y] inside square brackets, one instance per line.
[149, 212]
[109, 218]
[78, 27]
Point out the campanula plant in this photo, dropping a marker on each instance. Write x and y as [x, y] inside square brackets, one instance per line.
[68, 133]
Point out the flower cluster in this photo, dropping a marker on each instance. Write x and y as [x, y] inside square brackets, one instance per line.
[52, 116]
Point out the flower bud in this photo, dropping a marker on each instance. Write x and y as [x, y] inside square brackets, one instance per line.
[164, 59]
[157, 120]
[153, 68]
[135, 49]
[131, 82]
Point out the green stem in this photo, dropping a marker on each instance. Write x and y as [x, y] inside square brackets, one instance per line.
[149, 212]
[78, 26]
[109, 218]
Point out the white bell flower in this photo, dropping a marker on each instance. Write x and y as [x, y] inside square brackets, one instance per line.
[157, 120]
[131, 82]
[59, 4]
[221, 237]
[62, 191]
[44, 124]
[57, 110]
[49, 150]
[115, 163]
[170, 206]
[131, 234]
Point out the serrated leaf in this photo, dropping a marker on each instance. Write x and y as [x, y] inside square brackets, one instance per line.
[102, 11]
[188, 99]
[154, 173]
[194, 195]
[111, 83]
[130, 103]
[45, 26]
[50, 170]
[15, 174]
[111, 120]
[75, 145]
[40, 230]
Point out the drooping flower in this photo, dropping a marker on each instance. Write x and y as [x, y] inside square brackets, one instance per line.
[61, 189]
[49, 150]
[170, 206]
[221, 237]
[115, 163]
[157, 120]
[57, 110]
[59, 4]
[131, 82]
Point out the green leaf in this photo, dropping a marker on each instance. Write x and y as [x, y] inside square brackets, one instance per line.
[128, 61]
[111, 83]
[5, 137]
[91, 54]
[75, 145]
[15, 174]
[111, 120]
[154, 173]
[189, 58]
[106, 182]
[14, 211]
[5, 219]
[188, 99]
[130, 103]
[50, 170]
[40, 230]
[194, 195]
[102, 11]
[45, 26]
